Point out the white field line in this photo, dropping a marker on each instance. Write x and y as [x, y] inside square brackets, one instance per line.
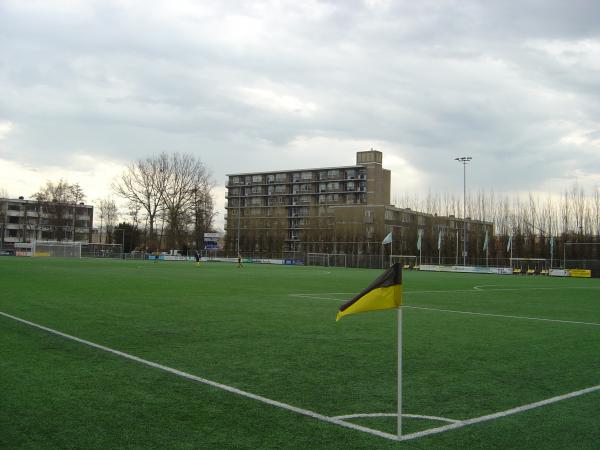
[317, 416]
[452, 311]
[410, 416]
[304, 412]
[500, 414]
[505, 316]
[474, 289]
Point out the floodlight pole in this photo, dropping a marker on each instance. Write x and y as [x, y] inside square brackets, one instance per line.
[464, 160]
[238, 221]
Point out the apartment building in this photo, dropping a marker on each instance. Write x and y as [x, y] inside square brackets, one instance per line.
[342, 209]
[24, 220]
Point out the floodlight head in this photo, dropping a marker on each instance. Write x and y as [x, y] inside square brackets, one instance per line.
[463, 159]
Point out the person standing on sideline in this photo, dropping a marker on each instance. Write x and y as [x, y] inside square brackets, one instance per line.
[240, 261]
[197, 256]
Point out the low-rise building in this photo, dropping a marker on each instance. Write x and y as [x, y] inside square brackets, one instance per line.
[29, 220]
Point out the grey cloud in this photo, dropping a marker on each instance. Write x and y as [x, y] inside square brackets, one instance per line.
[433, 79]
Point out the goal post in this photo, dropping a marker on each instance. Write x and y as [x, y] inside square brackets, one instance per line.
[530, 266]
[56, 249]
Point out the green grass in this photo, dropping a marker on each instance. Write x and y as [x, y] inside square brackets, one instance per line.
[242, 328]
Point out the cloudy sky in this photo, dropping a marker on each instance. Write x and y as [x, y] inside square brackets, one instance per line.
[89, 86]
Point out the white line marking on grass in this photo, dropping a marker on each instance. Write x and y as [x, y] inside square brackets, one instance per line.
[410, 416]
[505, 316]
[501, 414]
[480, 288]
[304, 412]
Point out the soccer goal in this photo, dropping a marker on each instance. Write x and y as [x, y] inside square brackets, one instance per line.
[530, 266]
[56, 249]
[408, 262]
[326, 259]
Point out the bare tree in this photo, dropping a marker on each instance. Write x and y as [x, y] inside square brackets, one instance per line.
[108, 217]
[143, 183]
[187, 198]
[596, 210]
[60, 199]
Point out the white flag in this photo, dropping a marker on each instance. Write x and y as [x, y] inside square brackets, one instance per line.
[509, 245]
[419, 240]
[388, 239]
[439, 240]
[486, 242]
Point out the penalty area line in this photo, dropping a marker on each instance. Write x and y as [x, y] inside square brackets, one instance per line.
[188, 376]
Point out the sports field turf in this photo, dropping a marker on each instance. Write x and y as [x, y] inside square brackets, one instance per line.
[474, 345]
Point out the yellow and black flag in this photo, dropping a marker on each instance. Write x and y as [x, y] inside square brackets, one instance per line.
[384, 293]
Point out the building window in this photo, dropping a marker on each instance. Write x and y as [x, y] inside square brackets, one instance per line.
[350, 186]
[257, 189]
[270, 178]
[370, 231]
[280, 189]
[333, 186]
[281, 177]
[235, 180]
[350, 174]
[257, 178]
[307, 175]
[333, 173]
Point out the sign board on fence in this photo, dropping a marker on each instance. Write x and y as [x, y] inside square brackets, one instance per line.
[580, 273]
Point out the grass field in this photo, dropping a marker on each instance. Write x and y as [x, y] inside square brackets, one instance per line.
[474, 345]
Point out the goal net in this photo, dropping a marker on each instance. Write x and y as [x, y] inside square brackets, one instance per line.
[56, 249]
[530, 265]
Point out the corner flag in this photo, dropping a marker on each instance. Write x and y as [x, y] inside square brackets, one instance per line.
[384, 293]
[387, 239]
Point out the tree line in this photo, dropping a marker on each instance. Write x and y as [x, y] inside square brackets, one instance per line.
[537, 223]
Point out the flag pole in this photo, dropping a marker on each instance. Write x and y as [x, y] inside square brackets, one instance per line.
[399, 372]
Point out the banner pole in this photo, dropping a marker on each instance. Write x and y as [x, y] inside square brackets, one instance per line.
[399, 372]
